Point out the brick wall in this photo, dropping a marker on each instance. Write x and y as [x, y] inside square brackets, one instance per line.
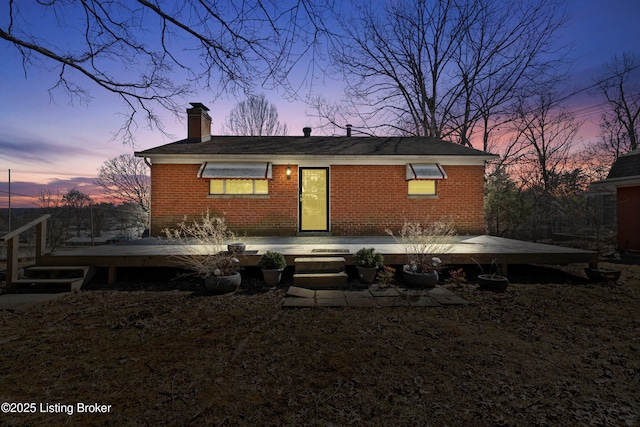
[176, 191]
[628, 201]
[364, 200]
[367, 199]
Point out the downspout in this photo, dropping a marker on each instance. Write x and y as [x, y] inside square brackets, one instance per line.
[148, 163]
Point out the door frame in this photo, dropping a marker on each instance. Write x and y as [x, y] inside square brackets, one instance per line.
[327, 170]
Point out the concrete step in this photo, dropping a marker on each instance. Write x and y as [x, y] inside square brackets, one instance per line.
[321, 280]
[56, 272]
[310, 265]
[45, 279]
[31, 285]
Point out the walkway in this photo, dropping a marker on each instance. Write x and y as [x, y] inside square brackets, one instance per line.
[386, 297]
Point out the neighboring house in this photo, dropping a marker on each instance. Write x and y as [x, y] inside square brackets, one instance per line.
[625, 177]
[288, 185]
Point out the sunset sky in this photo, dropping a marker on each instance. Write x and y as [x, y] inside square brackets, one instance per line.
[48, 143]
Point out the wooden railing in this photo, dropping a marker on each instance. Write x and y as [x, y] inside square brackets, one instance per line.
[13, 241]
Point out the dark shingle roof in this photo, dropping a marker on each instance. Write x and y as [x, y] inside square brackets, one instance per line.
[626, 166]
[314, 145]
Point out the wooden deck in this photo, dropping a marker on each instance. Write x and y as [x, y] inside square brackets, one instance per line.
[483, 249]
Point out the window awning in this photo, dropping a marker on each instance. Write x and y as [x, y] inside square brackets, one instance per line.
[213, 170]
[425, 171]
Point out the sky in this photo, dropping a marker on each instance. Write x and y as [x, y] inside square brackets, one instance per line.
[51, 144]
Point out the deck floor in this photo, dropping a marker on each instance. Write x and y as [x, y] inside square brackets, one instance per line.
[466, 250]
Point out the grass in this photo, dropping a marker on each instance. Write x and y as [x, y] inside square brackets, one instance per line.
[556, 351]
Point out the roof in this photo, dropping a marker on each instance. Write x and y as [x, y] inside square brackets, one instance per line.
[315, 145]
[625, 172]
[627, 165]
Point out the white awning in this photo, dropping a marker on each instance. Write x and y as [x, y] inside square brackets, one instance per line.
[213, 170]
[425, 171]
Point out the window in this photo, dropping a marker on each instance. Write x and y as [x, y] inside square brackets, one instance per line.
[422, 178]
[422, 187]
[238, 186]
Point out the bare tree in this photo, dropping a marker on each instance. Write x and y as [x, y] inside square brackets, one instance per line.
[150, 54]
[125, 179]
[58, 224]
[621, 120]
[544, 134]
[438, 68]
[77, 202]
[255, 116]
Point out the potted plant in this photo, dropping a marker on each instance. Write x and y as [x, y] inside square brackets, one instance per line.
[492, 281]
[386, 276]
[272, 265]
[367, 261]
[203, 252]
[424, 244]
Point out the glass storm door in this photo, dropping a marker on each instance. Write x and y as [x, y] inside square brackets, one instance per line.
[314, 199]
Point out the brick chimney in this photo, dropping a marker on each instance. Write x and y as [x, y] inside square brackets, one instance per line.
[348, 131]
[198, 122]
[307, 132]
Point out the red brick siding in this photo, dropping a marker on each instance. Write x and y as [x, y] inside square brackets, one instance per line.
[364, 200]
[628, 201]
[176, 191]
[367, 199]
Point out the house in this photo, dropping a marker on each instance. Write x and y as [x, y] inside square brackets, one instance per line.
[624, 176]
[288, 185]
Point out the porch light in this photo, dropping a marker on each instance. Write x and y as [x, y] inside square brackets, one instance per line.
[288, 172]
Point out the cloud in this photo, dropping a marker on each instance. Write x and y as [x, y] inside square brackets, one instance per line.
[32, 149]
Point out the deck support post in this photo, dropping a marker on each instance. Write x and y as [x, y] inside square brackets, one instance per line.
[504, 269]
[113, 275]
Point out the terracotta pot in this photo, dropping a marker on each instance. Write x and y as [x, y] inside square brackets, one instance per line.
[367, 275]
[493, 282]
[419, 280]
[218, 285]
[272, 277]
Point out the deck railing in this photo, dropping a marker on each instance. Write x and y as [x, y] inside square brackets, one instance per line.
[13, 241]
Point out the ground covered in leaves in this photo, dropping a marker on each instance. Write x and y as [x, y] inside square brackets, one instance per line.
[558, 351]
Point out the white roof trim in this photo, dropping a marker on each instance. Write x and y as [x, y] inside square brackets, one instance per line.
[311, 160]
[430, 171]
[228, 170]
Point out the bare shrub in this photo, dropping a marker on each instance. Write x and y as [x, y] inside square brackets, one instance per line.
[424, 243]
[203, 246]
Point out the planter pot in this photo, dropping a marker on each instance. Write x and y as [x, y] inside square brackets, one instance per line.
[272, 277]
[218, 285]
[602, 274]
[493, 282]
[419, 280]
[367, 275]
[236, 248]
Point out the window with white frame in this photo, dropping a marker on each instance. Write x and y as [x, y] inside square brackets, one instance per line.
[238, 186]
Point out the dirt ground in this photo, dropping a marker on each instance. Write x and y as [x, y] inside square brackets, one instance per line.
[553, 350]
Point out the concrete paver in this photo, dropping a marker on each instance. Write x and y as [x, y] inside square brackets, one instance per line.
[295, 291]
[372, 297]
[331, 302]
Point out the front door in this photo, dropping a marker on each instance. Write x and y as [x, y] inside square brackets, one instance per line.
[314, 199]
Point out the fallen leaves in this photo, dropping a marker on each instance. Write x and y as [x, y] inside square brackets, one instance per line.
[539, 354]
